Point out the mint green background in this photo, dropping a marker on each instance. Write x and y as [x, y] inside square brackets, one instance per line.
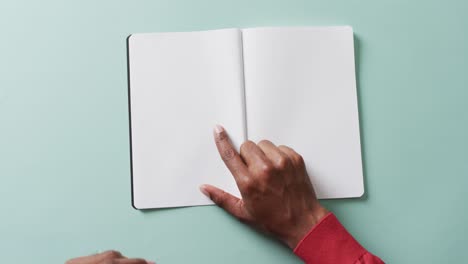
[64, 154]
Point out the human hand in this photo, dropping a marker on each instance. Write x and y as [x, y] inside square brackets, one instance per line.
[277, 195]
[108, 257]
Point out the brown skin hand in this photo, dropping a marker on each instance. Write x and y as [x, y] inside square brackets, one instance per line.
[277, 195]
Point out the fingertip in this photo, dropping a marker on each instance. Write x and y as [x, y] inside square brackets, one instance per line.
[150, 262]
[218, 129]
[204, 190]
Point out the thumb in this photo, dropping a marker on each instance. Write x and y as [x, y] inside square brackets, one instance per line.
[227, 201]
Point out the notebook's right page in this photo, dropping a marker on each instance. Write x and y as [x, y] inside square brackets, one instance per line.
[300, 91]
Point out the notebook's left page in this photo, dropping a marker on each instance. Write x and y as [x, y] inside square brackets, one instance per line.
[180, 86]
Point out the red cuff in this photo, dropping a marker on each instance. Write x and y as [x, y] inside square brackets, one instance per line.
[328, 242]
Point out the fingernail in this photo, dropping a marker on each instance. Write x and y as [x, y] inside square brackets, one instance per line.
[218, 129]
[150, 262]
[204, 190]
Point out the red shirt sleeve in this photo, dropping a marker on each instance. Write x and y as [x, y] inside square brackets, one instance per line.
[328, 242]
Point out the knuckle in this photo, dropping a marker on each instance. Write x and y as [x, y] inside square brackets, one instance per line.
[265, 170]
[243, 217]
[228, 154]
[298, 159]
[282, 163]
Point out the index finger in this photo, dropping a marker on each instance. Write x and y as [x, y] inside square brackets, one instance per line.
[229, 154]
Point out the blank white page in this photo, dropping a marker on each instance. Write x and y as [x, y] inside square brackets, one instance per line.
[181, 85]
[301, 91]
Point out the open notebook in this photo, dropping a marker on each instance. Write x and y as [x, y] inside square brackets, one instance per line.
[293, 86]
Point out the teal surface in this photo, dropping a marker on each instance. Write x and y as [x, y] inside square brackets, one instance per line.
[64, 152]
